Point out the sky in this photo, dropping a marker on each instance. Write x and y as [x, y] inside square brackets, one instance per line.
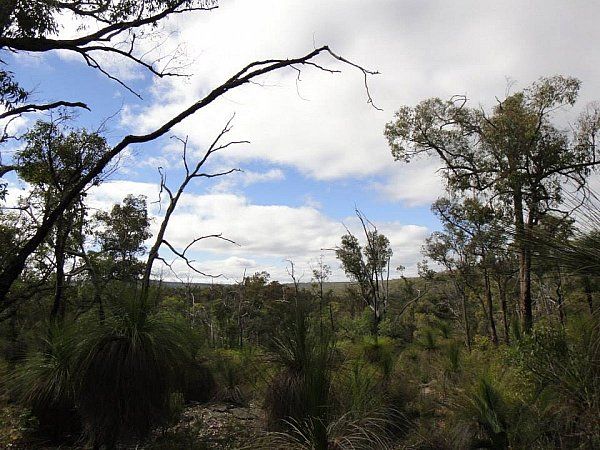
[316, 148]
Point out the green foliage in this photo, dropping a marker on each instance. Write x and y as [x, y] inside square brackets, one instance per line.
[23, 18]
[452, 353]
[9, 235]
[58, 157]
[428, 339]
[379, 351]
[45, 383]
[232, 373]
[46, 375]
[478, 145]
[358, 388]
[564, 367]
[301, 389]
[39, 18]
[354, 328]
[344, 433]
[486, 405]
[121, 238]
[361, 263]
[128, 367]
[10, 92]
[366, 266]
[398, 328]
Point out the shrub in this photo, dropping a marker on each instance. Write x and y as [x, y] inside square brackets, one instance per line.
[230, 372]
[300, 390]
[485, 404]
[198, 383]
[428, 339]
[345, 432]
[380, 351]
[44, 382]
[358, 388]
[453, 360]
[128, 367]
[353, 328]
[562, 368]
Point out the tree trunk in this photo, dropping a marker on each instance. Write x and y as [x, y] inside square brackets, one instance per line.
[490, 306]
[559, 298]
[502, 292]
[58, 308]
[587, 285]
[521, 238]
[466, 320]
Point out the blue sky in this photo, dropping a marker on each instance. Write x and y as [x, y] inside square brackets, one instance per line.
[317, 148]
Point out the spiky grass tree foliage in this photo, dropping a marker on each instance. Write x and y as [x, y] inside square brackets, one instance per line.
[484, 405]
[128, 367]
[358, 388]
[564, 367]
[232, 373]
[343, 433]
[581, 253]
[453, 358]
[300, 390]
[44, 382]
[380, 352]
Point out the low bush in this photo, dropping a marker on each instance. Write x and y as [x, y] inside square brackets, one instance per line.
[128, 367]
[44, 382]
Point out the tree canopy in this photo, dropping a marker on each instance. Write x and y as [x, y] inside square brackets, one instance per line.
[515, 155]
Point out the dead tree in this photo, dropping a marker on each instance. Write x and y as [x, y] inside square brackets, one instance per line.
[191, 172]
[16, 263]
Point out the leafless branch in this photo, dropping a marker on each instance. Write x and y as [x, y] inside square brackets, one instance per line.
[188, 262]
[45, 107]
[16, 262]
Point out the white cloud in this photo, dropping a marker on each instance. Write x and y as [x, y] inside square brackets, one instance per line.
[322, 125]
[266, 235]
[416, 184]
[246, 178]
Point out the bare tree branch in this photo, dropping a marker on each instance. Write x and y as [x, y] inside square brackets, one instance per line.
[16, 263]
[44, 107]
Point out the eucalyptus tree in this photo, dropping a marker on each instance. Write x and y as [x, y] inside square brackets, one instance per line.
[320, 274]
[516, 155]
[107, 27]
[54, 158]
[121, 234]
[367, 266]
[476, 230]
[446, 250]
